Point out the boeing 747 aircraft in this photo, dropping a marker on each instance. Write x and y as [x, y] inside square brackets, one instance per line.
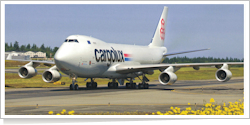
[88, 57]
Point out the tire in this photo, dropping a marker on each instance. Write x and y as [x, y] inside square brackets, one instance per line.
[110, 85]
[88, 85]
[71, 87]
[94, 85]
[76, 87]
[115, 85]
[128, 86]
[146, 86]
[140, 86]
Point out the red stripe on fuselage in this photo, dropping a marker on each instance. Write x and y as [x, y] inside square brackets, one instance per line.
[127, 55]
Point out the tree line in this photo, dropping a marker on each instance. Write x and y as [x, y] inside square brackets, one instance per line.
[34, 47]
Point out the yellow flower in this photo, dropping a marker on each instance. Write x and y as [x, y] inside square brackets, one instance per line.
[172, 107]
[63, 111]
[158, 112]
[212, 100]
[50, 112]
[183, 113]
[188, 103]
[174, 111]
[153, 113]
[71, 112]
[58, 114]
[188, 109]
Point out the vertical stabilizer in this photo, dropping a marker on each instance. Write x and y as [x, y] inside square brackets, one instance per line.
[159, 36]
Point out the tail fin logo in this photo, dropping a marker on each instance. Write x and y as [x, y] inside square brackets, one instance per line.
[162, 29]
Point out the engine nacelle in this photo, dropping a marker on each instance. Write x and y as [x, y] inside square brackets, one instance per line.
[223, 75]
[167, 78]
[27, 71]
[51, 75]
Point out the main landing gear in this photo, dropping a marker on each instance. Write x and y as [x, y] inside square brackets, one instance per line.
[74, 86]
[113, 84]
[143, 85]
[131, 84]
[91, 85]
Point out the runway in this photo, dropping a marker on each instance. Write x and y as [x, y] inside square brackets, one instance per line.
[38, 101]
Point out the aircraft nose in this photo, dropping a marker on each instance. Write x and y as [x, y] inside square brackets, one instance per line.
[62, 57]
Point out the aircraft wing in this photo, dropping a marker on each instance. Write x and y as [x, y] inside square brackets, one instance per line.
[176, 53]
[123, 68]
[35, 62]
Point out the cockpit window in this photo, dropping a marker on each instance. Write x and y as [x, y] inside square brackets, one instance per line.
[71, 40]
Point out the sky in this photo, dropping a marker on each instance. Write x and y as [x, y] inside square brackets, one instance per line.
[189, 27]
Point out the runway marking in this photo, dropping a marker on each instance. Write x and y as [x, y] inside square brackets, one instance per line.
[101, 105]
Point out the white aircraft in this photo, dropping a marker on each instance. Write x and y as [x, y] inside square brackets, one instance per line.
[88, 57]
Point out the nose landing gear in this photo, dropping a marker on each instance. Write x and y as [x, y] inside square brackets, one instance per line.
[74, 86]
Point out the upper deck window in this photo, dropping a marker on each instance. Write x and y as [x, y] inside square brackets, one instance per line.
[71, 40]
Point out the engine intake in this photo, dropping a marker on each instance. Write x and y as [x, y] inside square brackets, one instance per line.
[223, 75]
[51, 75]
[27, 71]
[167, 78]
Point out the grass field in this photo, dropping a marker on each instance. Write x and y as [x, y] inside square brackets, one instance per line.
[12, 80]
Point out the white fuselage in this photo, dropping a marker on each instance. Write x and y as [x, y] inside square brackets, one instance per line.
[89, 57]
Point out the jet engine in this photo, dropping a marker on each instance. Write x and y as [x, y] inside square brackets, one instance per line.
[27, 71]
[51, 75]
[223, 75]
[168, 77]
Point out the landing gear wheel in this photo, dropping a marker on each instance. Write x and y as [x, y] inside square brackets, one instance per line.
[76, 87]
[94, 85]
[88, 85]
[140, 86]
[128, 86]
[110, 85]
[133, 86]
[143, 86]
[146, 86]
[71, 87]
[113, 85]
[91, 85]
